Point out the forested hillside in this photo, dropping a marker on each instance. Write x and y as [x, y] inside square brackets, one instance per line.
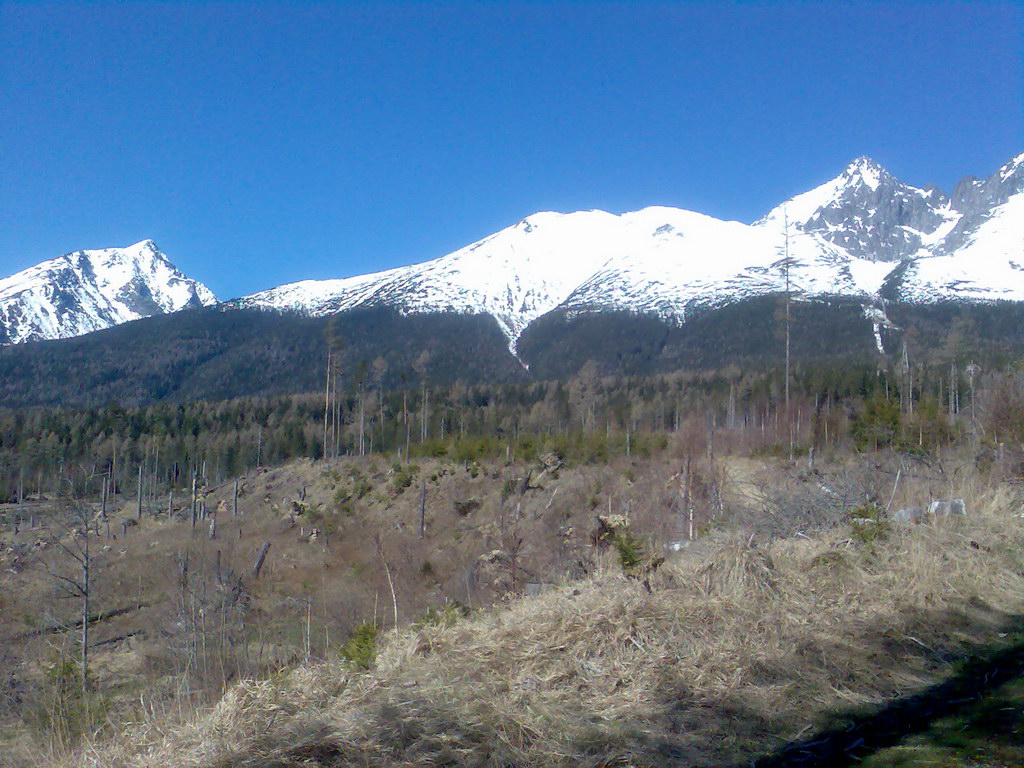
[42, 449]
[219, 353]
[223, 353]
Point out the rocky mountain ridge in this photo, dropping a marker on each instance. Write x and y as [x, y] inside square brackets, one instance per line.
[864, 235]
[91, 290]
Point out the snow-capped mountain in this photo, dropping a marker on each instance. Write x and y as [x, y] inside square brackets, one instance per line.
[864, 234]
[90, 290]
[989, 267]
[515, 275]
[869, 213]
[661, 260]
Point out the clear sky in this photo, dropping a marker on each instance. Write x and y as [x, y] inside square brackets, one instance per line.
[261, 143]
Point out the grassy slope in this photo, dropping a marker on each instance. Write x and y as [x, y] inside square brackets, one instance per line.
[737, 650]
[195, 639]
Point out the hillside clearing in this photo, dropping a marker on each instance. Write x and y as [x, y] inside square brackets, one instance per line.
[737, 649]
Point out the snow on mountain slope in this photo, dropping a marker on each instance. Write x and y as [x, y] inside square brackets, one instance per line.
[658, 259]
[990, 267]
[91, 290]
[691, 261]
[851, 236]
[975, 200]
[515, 275]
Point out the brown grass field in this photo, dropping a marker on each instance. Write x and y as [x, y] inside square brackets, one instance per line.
[753, 636]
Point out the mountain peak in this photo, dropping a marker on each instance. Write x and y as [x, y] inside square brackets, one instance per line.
[866, 170]
[144, 245]
[867, 212]
[863, 161]
[89, 290]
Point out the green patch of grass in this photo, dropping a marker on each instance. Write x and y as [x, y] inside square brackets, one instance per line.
[987, 734]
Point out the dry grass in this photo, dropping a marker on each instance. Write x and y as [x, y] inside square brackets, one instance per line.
[736, 649]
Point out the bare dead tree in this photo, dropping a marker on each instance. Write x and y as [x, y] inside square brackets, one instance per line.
[423, 509]
[391, 582]
[138, 513]
[421, 367]
[260, 560]
[73, 541]
[786, 266]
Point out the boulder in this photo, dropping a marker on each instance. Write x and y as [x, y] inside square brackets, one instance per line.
[947, 507]
[907, 515]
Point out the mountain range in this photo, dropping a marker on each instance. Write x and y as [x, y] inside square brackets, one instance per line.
[864, 256]
[863, 235]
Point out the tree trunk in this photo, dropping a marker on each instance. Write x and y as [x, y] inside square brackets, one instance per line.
[138, 514]
[85, 623]
[423, 510]
[260, 560]
[327, 402]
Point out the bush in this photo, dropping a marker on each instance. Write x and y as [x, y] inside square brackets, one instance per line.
[403, 477]
[343, 500]
[508, 488]
[447, 616]
[877, 425]
[629, 548]
[67, 713]
[360, 650]
[867, 523]
[437, 449]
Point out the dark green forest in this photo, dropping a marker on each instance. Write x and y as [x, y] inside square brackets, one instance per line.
[222, 353]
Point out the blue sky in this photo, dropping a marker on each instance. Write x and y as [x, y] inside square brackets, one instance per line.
[261, 143]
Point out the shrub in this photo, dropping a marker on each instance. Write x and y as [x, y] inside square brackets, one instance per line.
[508, 488]
[360, 650]
[343, 500]
[877, 425]
[444, 617]
[629, 548]
[434, 448]
[362, 487]
[403, 477]
[867, 523]
[68, 713]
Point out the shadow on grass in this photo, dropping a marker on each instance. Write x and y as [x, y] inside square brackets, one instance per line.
[982, 702]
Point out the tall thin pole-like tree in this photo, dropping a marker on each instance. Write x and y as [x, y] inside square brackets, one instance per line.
[785, 266]
[75, 544]
[327, 402]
